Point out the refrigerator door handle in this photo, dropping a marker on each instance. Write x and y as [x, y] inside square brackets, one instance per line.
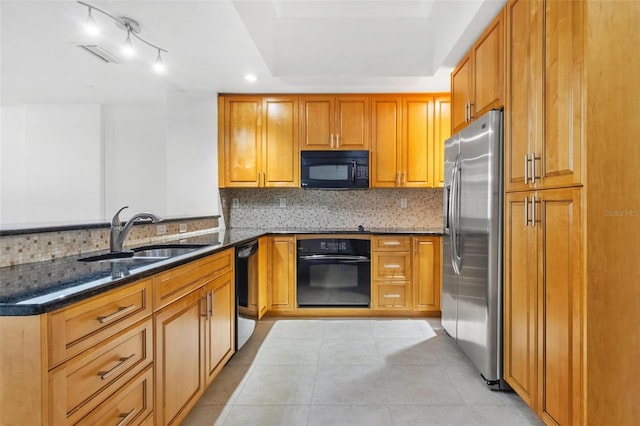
[455, 215]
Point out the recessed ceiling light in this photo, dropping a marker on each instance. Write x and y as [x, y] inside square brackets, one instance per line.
[250, 77]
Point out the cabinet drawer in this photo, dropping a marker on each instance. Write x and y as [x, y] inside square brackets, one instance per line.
[392, 295]
[130, 405]
[391, 243]
[391, 266]
[174, 284]
[82, 383]
[81, 326]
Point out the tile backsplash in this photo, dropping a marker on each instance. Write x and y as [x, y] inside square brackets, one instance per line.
[371, 208]
[34, 247]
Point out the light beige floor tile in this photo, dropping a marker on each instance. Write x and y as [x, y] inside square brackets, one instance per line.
[400, 329]
[278, 385]
[206, 415]
[297, 329]
[349, 385]
[348, 329]
[502, 416]
[427, 415]
[406, 352]
[348, 352]
[349, 415]
[289, 352]
[267, 415]
[417, 385]
[226, 386]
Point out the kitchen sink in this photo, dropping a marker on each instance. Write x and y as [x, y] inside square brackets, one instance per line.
[144, 255]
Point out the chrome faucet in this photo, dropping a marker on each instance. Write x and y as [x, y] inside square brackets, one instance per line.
[119, 232]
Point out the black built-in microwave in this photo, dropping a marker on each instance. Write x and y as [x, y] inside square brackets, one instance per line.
[334, 169]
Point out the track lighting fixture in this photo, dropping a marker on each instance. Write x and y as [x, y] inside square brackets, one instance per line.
[131, 27]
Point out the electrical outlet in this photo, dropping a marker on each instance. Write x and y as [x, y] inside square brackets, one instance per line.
[235, 203]
[161, 229]
[403, 203]
[283, 203]
[183, 228]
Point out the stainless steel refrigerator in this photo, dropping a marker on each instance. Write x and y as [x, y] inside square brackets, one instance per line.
[472, 244]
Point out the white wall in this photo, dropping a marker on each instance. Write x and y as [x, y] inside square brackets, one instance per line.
[53, 160]
[192, 155]
[135, 159]
[81, 163]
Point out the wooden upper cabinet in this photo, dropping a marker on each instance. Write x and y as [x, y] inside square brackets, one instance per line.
[404, 152]
[561, 145]
[334, 122]
[544, 114]
[281, 157]
[442, 131]
[260, 147]
[477, 83]
[461, 81]
[242, 141]
[386, 141]
[417, 141]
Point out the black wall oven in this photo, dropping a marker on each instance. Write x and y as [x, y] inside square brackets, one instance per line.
[334, 272]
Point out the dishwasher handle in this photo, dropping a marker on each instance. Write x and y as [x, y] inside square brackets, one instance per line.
[246, 250]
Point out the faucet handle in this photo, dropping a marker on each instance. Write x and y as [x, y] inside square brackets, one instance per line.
[116, 217]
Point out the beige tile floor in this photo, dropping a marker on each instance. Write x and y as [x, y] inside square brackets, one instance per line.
[350, 372]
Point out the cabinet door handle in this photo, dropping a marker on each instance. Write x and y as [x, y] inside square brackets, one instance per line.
[126, 417]
[116, 314]
[391, 243]
[331, 140]
[470, 114]
[391, 266]
[533, 211]
[404, 178]
[337, 140]
[104, 375]
[210, 305]
[533, 167]
[526, 211]
[526, 168]
[391, 296]
[264, 178]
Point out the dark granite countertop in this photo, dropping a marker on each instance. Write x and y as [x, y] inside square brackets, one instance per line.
[39, 287]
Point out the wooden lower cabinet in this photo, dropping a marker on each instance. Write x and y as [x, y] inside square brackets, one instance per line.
[194, 337]
[131, 405]
[281, 273]
[219, 327]
[406, 273]
[179, 358]
[543, 300]
[427, 272]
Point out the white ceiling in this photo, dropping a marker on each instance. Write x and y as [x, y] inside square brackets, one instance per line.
[293, 46]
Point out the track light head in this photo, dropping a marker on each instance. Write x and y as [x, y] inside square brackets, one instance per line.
[90, 25]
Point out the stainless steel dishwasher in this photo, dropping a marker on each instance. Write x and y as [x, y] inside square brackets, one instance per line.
[246, 291]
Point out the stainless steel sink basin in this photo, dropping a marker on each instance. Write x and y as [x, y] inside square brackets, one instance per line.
[161, 253]
[144, 255]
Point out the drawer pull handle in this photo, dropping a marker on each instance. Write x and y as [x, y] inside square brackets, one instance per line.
[104, 375]
[391, 243]
[116, 314]
[391, 266]
[392, 296]
[126, 417]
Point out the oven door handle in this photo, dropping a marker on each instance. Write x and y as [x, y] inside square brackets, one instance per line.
[354, 259]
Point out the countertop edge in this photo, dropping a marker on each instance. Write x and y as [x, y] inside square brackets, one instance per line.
[16, 309]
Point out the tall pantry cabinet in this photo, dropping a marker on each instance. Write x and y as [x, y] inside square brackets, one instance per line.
[572, 210]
